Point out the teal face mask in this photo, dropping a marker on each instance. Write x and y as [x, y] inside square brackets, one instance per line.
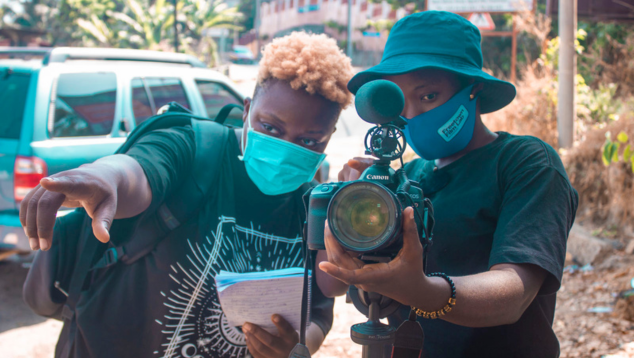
[276, 166]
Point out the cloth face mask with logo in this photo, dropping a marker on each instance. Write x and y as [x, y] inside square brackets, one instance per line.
[444, 130]
[276, 166]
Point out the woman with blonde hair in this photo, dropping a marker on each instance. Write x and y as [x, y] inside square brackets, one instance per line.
[166, 304]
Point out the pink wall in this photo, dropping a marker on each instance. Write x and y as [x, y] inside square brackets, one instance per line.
[279, 15]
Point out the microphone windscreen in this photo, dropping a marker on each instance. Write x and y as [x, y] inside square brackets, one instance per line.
[379, 101]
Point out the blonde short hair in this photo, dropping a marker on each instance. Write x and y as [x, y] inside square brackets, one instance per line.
[312, 62]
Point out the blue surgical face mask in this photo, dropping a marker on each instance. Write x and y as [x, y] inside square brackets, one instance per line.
[276, 166]
[444, 130]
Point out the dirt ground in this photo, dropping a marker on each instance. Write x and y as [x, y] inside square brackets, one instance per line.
[581, 333]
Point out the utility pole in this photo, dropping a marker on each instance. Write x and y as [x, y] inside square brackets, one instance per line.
[175, 29]
[349, 41]
[257, 28]
[567, 69]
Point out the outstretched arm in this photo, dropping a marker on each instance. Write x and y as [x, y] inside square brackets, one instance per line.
[496, 297]
[99, 188]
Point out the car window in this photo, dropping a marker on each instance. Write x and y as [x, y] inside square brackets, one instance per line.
[13, 91]
[149, 94]
[216, 95]
[84, 104]
[142, 108]
[166, 90]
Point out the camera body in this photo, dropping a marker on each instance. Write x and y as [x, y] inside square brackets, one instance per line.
[365, 215]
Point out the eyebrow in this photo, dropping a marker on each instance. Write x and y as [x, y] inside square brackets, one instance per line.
[281, 122]
[432, 80]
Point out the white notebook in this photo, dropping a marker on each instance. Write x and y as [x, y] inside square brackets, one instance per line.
[255, 296]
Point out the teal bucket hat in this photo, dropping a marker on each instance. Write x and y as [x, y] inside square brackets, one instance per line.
[442, 40]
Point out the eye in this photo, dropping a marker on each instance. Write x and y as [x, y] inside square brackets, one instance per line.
[269, 128]
[309, 142]
[429, 97]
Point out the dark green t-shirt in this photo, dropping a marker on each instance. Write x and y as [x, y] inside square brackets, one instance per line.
[507, 202]
[166, 304]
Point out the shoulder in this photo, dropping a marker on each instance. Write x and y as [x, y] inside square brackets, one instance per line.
[172, 133]
[415, 169]
[518, 153]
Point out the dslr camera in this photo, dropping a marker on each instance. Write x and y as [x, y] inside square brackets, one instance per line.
[365, 215]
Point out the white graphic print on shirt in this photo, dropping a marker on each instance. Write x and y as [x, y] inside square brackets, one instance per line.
[195, 326]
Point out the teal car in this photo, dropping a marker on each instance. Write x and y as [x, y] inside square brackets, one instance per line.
[72, 106]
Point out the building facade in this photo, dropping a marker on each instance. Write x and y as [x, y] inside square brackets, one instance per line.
[281, 17]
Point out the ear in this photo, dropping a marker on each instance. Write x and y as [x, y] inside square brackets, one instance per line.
[247, 108]
[477, 88]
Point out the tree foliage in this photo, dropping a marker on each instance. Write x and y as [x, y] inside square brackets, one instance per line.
[141, 24]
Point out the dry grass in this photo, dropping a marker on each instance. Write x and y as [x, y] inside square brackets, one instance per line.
[606, 195]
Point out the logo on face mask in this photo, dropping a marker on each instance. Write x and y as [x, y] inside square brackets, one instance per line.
[453, 126]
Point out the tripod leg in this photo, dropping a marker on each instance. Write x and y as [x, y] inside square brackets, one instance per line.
[373, 351]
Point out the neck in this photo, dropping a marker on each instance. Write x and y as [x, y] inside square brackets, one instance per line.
[481, 137]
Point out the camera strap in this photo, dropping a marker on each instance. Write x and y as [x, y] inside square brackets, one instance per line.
[409, 338]
[300, 350]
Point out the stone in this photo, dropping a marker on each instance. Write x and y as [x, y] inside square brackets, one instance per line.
[586, 248]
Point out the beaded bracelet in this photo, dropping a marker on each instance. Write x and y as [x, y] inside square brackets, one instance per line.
[447, 308]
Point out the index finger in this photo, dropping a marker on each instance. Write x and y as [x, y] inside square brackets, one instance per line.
[260, 334]
[74, 187]
[360, 163]
[283, 326]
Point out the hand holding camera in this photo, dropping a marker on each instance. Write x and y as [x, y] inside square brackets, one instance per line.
[403, 275]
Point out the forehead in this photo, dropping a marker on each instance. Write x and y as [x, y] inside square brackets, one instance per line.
[425, 77]
[296, 106]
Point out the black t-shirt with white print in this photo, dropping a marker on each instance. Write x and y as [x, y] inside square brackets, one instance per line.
[166, 305]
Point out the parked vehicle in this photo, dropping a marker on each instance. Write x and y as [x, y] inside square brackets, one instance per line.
[241, 54]
[75, 105]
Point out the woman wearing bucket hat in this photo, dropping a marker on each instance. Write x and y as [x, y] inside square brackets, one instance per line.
[503, 204]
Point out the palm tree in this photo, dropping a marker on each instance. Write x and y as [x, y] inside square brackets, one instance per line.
[148, 25]
[202, 15]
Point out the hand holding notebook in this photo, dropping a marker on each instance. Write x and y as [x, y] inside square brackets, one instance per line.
[255, 296]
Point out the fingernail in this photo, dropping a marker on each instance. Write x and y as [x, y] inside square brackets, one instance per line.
[246, 328]
[43, 244]
[34, 244]
[276, 319]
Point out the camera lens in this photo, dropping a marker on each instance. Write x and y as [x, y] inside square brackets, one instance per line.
[364, 216]
[368, 216]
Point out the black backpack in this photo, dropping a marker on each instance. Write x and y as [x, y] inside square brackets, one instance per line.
[42, 290]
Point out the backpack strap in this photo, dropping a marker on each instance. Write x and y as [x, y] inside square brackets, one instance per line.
[87, 249]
